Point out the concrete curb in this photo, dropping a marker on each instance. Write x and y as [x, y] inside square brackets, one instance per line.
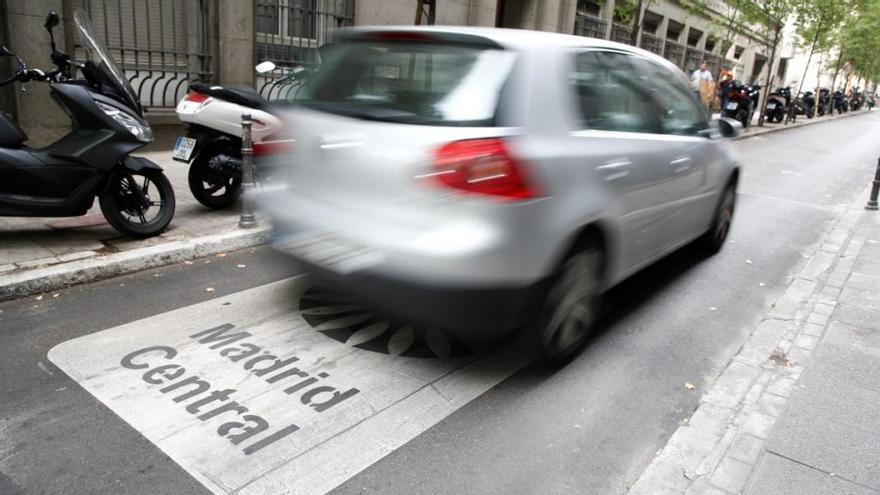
[55, 277]
[717, 448]
[796, 125]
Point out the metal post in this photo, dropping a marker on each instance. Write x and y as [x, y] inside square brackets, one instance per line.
[875, 189]
[247, 220]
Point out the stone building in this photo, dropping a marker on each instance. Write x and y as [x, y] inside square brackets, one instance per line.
[164, 44]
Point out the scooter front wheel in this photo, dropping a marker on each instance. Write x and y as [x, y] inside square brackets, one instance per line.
[139, 203]
[211, 189]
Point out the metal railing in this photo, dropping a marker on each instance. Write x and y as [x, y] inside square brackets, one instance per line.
[651, 43]
[593, 27]
[289, 32]
[621, 34]
[161, 45]
[674, 52]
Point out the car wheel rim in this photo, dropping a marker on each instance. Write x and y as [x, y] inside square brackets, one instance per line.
[574, 296]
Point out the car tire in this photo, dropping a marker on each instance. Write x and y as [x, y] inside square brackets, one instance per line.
[714, 238]
[571, 304]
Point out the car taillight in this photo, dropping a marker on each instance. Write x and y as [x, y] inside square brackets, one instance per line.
[272, 146]
[482, 166]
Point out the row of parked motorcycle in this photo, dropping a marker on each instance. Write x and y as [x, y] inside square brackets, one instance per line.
[743, 100]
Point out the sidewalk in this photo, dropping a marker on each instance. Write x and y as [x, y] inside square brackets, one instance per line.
[796, 410]
[42, 254]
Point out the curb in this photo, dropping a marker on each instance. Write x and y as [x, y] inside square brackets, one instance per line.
[718, 447]
[807, 122]
[55, 277]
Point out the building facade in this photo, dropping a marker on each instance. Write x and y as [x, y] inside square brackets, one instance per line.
[165, 44]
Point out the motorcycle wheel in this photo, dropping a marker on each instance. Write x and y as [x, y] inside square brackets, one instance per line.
[138, 203]
[210, 188]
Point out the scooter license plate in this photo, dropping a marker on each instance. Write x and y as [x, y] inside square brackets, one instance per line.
[183, 148]
[771, 106]
[731, 106]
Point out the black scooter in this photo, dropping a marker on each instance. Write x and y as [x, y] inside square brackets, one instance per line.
[824, 101]
[778, 105]
[742, 100]
[841, 103]
[93, 160]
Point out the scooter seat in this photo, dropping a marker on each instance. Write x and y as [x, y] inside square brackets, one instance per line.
[242, 96]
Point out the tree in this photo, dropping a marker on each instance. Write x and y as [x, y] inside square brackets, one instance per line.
[817, 23]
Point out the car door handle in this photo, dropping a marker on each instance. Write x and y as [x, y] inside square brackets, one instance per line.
[681, 164]
[615, 169]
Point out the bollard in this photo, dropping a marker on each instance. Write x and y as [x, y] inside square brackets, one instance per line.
[875, 189]
[247, 220]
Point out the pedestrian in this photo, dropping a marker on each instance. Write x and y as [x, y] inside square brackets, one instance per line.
[702, 83]
[725, 80]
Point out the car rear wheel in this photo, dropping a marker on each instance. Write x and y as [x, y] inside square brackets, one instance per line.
[571, 305]
[714, 238]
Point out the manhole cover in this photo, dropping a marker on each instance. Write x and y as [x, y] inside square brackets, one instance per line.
[345, 320]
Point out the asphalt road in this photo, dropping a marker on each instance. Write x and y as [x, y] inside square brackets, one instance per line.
[590, 427]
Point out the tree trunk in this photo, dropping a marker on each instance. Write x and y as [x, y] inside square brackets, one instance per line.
[769, 79]
[637, 24]
[796, 96]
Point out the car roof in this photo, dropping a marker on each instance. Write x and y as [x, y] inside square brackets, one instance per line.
[518, 39]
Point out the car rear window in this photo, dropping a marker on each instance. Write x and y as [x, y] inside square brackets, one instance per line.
[410, 82]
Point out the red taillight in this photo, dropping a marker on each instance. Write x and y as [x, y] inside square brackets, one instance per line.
[482, 166]
[196, 97]
[273, 146]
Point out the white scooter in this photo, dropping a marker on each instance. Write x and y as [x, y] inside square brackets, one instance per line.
[212, 145]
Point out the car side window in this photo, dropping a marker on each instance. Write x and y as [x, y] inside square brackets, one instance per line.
[609, 96]
[680, 113]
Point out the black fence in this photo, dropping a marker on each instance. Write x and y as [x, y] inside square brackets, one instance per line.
[289, 32]
[162, 45]
[593, 27]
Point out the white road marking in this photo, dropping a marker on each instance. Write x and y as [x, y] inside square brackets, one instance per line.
[250, 399]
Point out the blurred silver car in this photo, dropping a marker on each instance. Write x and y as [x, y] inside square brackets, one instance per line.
[485, 180]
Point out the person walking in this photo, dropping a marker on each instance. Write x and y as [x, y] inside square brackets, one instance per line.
[702, 83]
[725, 80]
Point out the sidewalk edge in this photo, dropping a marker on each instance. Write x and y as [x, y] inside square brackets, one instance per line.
[797, 125]
[55, 277]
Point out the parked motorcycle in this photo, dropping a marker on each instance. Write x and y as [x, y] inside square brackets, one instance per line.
[778, 104]
[805, 104]
[855, 99]
[872, 100]
[93, 160]
[742, 100]
[212, 145]
[824, 101]
[841, 103]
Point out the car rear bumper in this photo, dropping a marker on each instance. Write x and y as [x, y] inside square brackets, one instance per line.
[474, 314]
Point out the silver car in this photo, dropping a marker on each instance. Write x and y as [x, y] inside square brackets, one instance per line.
[485, 180]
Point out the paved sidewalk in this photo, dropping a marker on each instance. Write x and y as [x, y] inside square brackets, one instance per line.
[796, 410]
[32, 249]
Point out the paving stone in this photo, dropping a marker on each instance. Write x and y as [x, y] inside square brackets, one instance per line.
[746, 448]
[806, 342]
[831, 422]
[733, 384]
[779, 476]
[818, 319]
[823, 309]
[759, 424]
[731, 474]
[76, 256]
[24, 265]
[771, 404]
[781, 386]
[860, 316]
[862, 297]
[813, 330]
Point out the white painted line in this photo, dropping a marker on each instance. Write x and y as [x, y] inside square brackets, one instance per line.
[249, 398]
